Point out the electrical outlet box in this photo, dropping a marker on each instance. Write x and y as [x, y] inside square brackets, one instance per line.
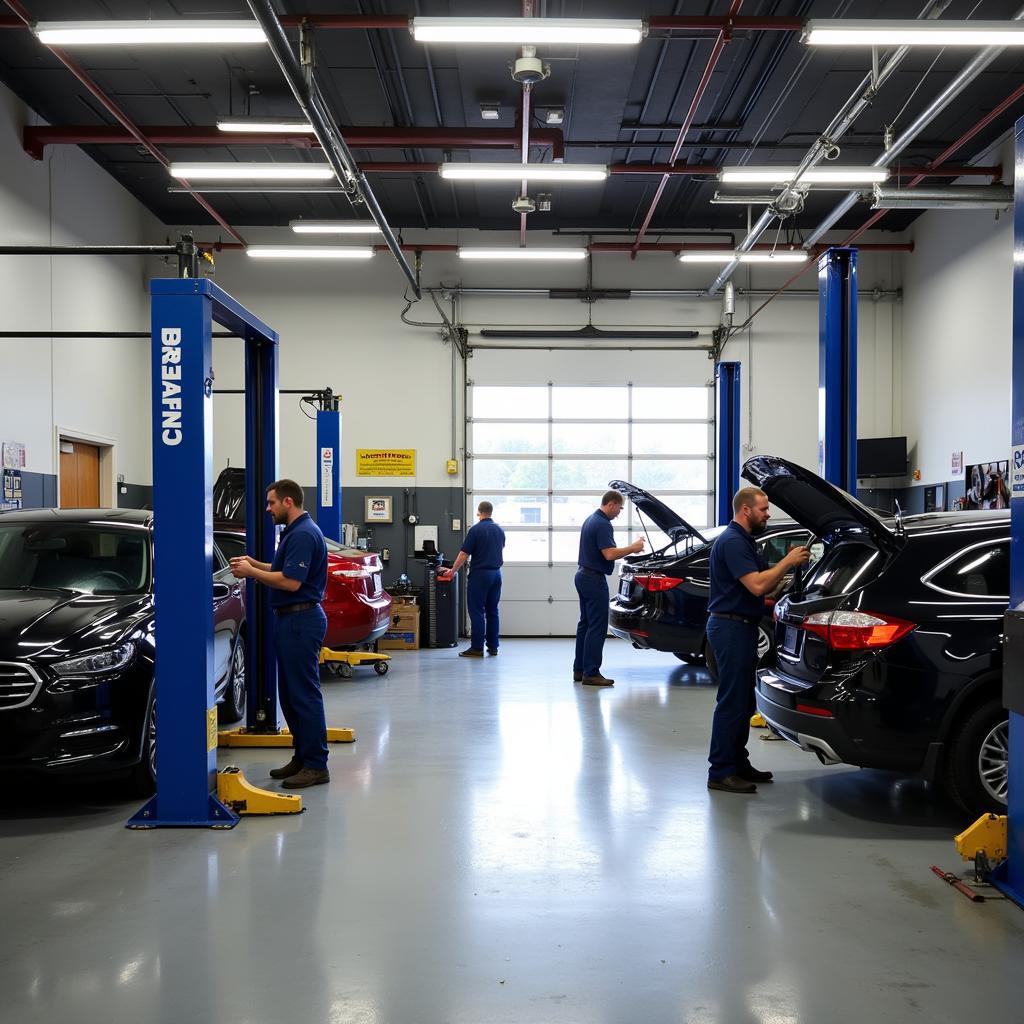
[452, 466]
[456, 525]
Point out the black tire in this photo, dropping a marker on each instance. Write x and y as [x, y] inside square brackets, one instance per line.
[688, 658]
[977, 764]
[381, 668]
[344, 670]
[142, 778]
[232, 707]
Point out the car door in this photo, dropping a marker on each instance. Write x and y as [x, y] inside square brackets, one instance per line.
[227, 596]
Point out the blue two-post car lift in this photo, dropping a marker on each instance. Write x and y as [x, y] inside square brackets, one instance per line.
[727, 377]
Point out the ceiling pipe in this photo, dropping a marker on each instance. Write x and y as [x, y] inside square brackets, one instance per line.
[969, 73]
[318, 113]
[35, 138]
[119, 115]
[859, 101]
[952, 197]
[721, 39]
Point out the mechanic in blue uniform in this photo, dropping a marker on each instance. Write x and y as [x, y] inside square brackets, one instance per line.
[485, 546]
[596, 563]
[298, 578]
[739, 580]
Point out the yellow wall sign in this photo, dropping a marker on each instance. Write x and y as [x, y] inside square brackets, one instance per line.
[385, 462]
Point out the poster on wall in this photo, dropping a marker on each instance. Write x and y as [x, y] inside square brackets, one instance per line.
[385, 462]
[986, 485]
[935, 498]
[957, 463]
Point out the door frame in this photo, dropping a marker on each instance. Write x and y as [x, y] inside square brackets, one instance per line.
[108, 461]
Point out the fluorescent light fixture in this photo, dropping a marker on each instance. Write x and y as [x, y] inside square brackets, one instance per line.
[741, 199]
[529, 31]
[813, 176]
[708, 256]
[490, 111]
[147, 33]
[251, 172]
[521, 254]
[555, 115]
[883, 32]
[269, 125]
[520, 172]
[334, 227]
[309, 252]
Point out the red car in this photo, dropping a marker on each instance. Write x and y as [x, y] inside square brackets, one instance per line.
[357, 606]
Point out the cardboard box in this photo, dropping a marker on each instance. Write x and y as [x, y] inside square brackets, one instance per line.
[404, 632]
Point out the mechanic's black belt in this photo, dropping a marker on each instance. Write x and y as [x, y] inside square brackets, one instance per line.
[299, 606]
[586, 568]
[748, 619]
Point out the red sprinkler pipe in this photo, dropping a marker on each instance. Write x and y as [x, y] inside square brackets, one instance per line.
[720, 40]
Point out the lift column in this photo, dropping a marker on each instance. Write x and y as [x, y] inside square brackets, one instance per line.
[1010, 875]
[837, 368]
[328, 465]
[727, 376]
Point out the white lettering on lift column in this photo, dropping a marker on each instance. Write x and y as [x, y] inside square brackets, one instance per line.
[170, 382]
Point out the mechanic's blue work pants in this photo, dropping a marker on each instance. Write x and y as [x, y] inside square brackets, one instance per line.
[592, 588]
[483, 592]
[298, 639]
[735, 647]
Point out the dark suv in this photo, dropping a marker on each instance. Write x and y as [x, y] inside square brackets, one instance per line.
[889, 648]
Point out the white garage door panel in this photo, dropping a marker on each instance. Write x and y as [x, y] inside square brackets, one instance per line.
[538, 618]
[524, 582]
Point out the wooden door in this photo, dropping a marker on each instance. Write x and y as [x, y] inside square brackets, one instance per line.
[79, 475]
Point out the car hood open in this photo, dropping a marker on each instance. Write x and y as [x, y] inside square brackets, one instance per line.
[814, 503]
[664, 518]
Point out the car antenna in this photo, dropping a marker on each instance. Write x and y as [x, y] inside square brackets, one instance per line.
[900, 529]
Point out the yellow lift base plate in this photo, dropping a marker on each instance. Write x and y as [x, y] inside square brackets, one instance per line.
[987, 836]
[244, 738]
[343, 662]
[758, 721]
[244, 798]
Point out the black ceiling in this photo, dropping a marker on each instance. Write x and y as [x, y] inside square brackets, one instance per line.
[620, 106]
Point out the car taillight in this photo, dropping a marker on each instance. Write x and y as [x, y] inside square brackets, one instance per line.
[656, 581]
[857, 631]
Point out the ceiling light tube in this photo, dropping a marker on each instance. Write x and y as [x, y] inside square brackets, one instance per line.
[309, 252]
[707, 257]
[147, 33]
[779, 256]
[466, 253]
[334, 227]
[270, 125]
[882, 32]
[520, 172]
[251, 172]
[814, 176]
[529, 31]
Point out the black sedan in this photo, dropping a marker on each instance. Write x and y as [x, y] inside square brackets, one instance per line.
[76, 643]
[889, 649]
[662, 600]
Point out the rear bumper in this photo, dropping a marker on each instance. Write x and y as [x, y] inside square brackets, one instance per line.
[648, 634]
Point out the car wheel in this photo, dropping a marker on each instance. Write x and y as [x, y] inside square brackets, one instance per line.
[381, 668]
[232, 708]
[977, 769]
[142, 780]
[690, 659]
[765, 647]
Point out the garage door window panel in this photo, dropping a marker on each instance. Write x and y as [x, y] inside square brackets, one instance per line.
[510, 438]
[526, 546]
[581, 403]
[510, 474]
[586, 474]
[671, 439]
[516, 509]
[671, 403]
[508, 403]
[661, 475]
[590, 438]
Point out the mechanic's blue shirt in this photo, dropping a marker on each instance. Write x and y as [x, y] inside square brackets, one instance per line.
[597, 535]
[301, 555]
[484, 545]
[734, 554]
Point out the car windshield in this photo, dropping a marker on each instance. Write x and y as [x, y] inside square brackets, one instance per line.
[89, 558]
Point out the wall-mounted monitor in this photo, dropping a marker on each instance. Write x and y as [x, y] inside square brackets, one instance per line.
[881, 456]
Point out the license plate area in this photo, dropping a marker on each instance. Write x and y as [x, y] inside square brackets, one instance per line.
[790, 639]
[625, 586]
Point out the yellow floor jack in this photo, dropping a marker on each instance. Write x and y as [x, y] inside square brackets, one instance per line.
[342, 662]
[758, 721]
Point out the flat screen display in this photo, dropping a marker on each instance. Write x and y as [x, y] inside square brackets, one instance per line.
[881, 456]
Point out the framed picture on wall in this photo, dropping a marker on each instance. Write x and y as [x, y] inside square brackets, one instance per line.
[986, 485]
[935, 498]
[378, 508]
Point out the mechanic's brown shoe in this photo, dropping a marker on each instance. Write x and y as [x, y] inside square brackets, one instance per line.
[471, 652]
[307, 777]
[293, 767]
[492, 651]
[577, 677]
[598, 680]
[751, 774]
[730, 784]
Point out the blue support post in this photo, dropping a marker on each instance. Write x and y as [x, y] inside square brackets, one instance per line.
[728, 419]
[183, 311]
[328, 485]
[837, 368]
[1010, 875]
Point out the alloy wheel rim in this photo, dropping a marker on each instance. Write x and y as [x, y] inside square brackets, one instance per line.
[994, 761]
[151, 740]
[764, 643]
[238, 675]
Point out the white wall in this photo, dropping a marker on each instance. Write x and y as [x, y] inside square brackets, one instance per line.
[95, 387]
[956, 340]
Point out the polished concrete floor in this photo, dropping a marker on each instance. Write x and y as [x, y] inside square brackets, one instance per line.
[500, 845]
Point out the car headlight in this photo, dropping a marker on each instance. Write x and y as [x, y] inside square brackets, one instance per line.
[98, 663]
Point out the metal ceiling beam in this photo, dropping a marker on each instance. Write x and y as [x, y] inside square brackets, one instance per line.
[317, 112]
